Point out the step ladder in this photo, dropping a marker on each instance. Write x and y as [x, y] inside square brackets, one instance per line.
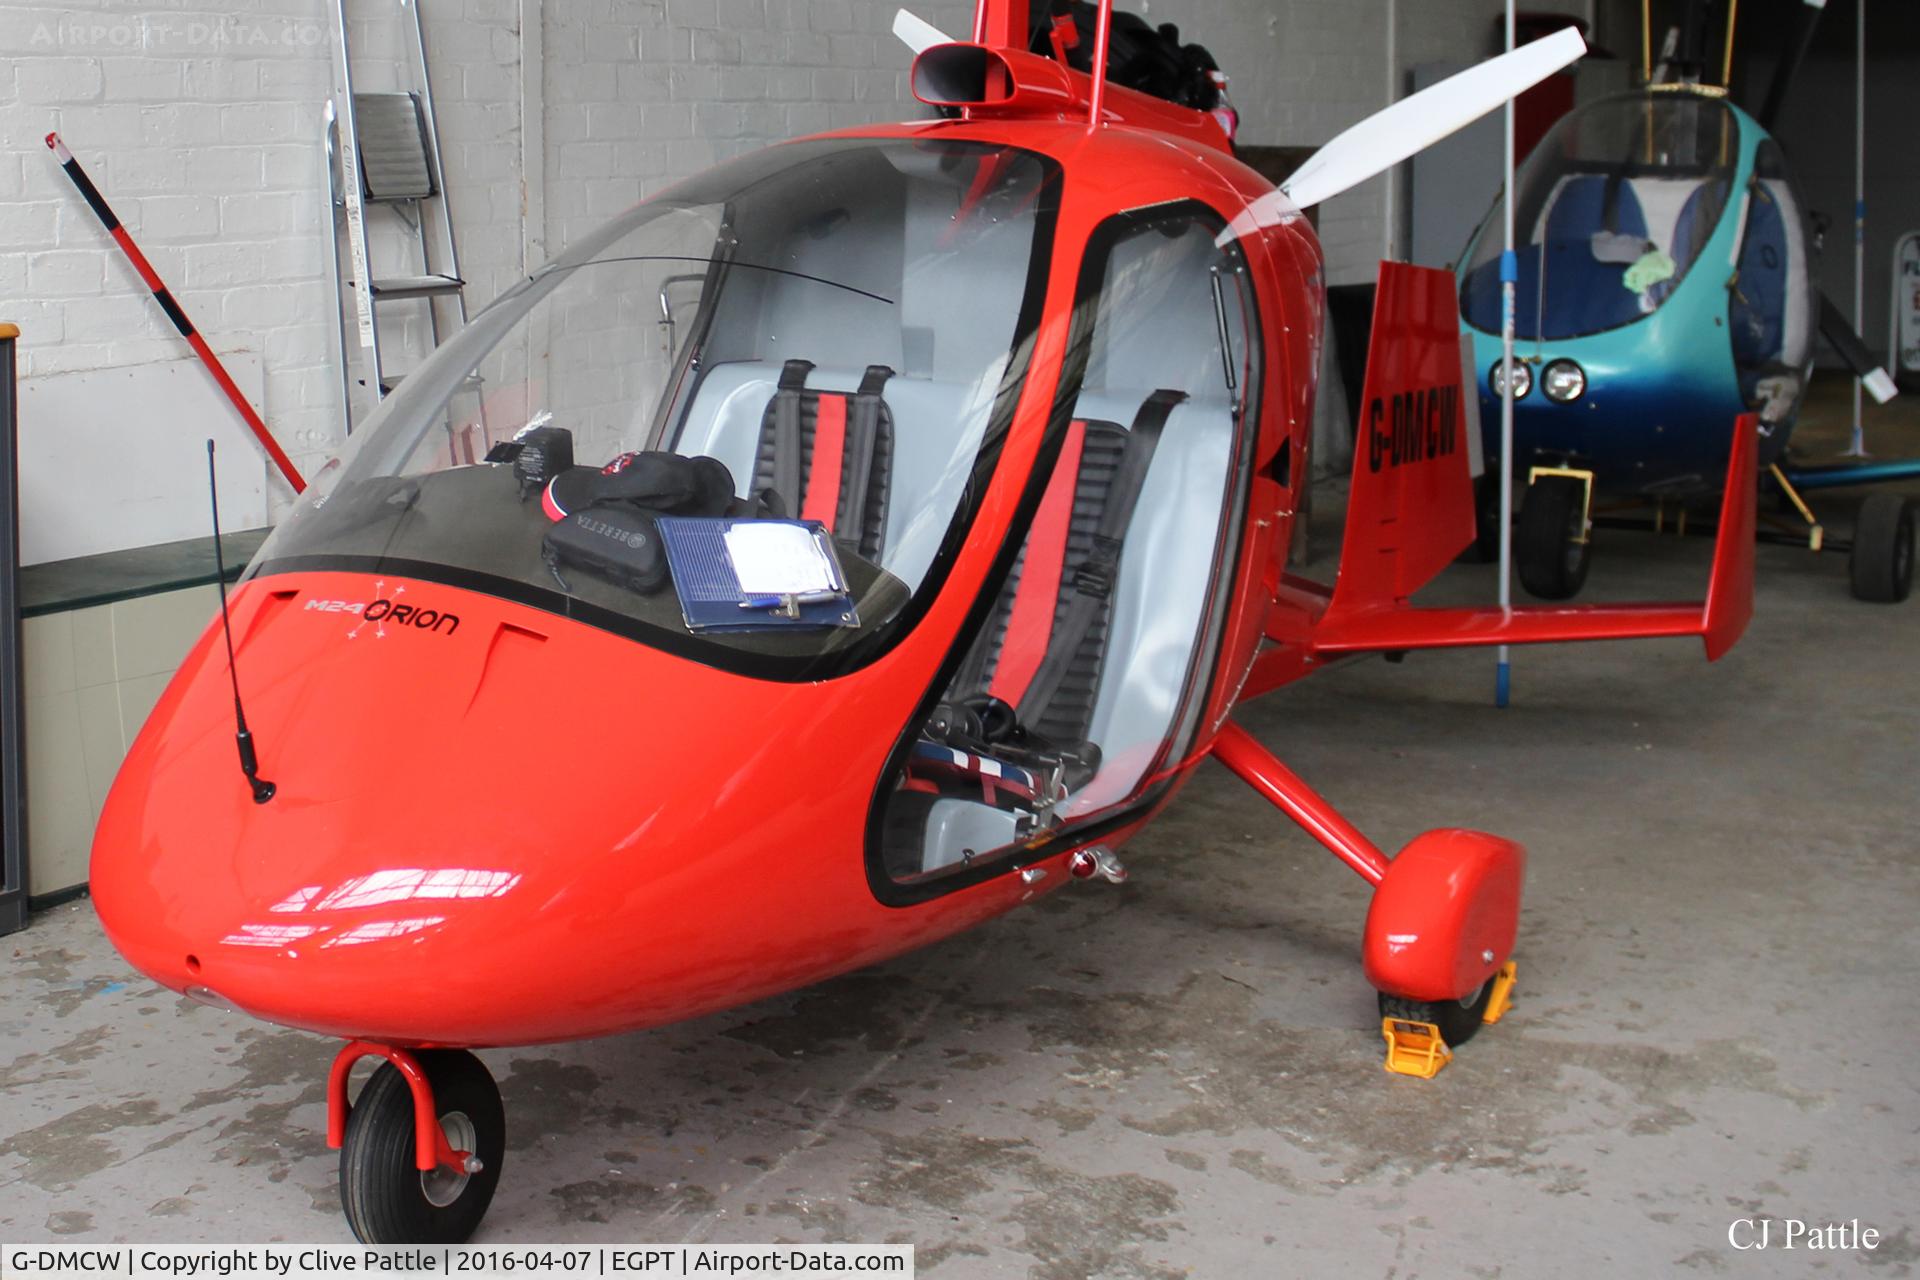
[388, 195]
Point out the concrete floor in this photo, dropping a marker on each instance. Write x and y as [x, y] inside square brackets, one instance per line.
[1181, 1076]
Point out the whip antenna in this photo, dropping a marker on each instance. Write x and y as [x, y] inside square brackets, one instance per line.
[243, 738]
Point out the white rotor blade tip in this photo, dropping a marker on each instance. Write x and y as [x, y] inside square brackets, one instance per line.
[1413, 124]
[918, 34]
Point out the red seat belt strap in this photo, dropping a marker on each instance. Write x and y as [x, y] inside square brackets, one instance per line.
[829, 453]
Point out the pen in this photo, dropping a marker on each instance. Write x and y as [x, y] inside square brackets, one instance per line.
[788, 604]
[790, 597]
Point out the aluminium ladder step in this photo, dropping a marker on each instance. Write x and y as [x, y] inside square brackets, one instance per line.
[395, 288]
[384, 155]
[395, 164]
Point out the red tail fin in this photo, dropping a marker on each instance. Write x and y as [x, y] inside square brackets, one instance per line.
[1410, 511]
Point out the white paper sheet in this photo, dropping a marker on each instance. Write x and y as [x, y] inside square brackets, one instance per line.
[771, 559]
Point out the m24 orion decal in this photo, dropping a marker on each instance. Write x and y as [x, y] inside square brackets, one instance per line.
[386, 610]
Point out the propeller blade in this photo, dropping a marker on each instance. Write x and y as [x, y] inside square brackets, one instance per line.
[1853, 352]
[918, 34]
[1788, 67]
[1412, 124]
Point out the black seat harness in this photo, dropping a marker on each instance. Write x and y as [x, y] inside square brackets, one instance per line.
[856, 427]
[978, 722]
[1090, 588]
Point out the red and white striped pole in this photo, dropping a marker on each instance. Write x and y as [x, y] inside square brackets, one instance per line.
[161, 295]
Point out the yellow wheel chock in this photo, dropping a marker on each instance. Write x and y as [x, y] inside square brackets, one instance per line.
[1414, 1048]
[1502, 998]
[1417, 1049]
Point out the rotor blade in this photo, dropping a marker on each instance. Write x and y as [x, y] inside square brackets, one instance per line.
[1853, 352]
[1791, 57]
[918, 34]
[1412, 124]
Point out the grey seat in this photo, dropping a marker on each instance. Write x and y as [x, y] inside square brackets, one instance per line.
[931, 422]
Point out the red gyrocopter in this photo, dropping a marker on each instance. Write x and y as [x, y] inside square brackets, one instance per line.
[1036, 378]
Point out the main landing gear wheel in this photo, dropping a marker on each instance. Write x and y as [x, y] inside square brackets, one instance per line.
[1550, 544]
[1881, 563]
[1458, 1020]
[387, 1199]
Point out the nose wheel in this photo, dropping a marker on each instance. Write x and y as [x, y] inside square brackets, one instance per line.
[387, 1197]
[1551, 545]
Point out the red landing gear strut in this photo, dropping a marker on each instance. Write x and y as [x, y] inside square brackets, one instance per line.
[1440, 929]
[431, 1150]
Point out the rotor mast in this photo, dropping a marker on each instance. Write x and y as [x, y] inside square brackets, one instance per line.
[1002, 24]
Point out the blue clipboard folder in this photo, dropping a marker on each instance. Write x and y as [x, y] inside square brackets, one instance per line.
[710, 595]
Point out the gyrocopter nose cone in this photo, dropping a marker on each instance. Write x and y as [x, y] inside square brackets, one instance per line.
[468, 842]
[391, 945]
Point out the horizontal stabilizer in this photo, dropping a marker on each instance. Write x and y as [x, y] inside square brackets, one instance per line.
[1719, 620]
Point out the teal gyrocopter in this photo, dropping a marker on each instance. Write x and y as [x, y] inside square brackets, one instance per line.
[1664, 282]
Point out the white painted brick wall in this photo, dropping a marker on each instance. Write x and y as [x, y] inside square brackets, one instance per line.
[199, 127]
[202, 129]
[643, 93]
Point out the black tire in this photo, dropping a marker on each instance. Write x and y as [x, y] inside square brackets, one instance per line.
[1881, 564]
[387, 1199]
[1458, 1020]
[1550, 546]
